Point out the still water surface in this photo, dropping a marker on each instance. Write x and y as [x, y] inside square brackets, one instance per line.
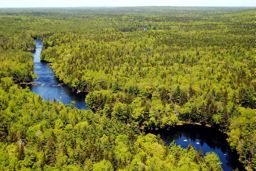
[203, 139]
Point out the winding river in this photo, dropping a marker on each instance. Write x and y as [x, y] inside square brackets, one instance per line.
[201, 138]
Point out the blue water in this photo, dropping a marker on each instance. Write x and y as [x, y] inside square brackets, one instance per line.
[203, 139]
[47, 85]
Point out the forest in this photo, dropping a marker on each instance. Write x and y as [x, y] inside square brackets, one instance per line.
[141, 69]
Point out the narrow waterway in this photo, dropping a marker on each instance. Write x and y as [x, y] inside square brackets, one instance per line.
[47, 85]
[201, 138]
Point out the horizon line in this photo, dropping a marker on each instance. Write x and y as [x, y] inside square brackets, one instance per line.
[179, 6]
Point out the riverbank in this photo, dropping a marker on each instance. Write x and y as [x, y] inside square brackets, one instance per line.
[47, 85]
[203, 139]
[76, 91]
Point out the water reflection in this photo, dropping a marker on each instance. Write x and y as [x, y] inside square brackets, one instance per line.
[203, 139]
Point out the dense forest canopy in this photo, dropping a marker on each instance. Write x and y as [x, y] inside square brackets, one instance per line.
[143, 68]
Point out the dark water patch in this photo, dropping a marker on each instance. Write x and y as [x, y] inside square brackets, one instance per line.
[203, 139]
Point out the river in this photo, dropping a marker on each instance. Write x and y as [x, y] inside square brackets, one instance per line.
[48, 86]
[201, 138]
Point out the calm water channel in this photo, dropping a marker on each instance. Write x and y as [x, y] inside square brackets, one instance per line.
[48, 86]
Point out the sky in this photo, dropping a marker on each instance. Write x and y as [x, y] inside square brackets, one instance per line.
[113, 3]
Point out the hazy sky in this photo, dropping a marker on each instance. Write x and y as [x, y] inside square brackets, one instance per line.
[86, 3]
